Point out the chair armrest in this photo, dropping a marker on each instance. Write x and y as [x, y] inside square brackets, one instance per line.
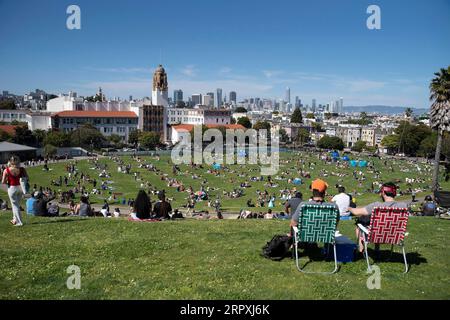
[363, 229]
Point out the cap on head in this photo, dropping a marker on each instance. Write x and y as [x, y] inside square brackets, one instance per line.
[319, 185]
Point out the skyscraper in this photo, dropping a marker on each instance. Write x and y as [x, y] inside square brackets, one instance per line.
[207, 100]
[313, 105]
[233, 97]
[288, 95]
[341, 105]
[218, 103]
[177, 96]
[211, 95]
[196, 99]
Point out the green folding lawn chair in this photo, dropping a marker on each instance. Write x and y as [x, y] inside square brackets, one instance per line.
[316, 223]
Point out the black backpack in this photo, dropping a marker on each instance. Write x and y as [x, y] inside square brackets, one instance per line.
[277, 248]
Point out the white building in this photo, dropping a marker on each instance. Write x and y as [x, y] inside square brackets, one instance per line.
[121, 123]
[73, 103]
[34, 120]
[198, 116]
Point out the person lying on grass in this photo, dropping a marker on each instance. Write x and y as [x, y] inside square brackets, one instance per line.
[388, 192]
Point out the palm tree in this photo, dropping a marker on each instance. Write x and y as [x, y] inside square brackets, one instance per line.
[439, 114]
[408, 112]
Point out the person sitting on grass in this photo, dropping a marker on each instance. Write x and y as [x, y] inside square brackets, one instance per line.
[318, 188]
[162, 208]
[342, 200]
[83, 209]
[30, 204]
[387, 192]
[142, 206]
[3, 205]
[40, 206]
[428, 207]
[292, 204]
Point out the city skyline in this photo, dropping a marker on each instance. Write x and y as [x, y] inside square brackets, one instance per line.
[367, 67]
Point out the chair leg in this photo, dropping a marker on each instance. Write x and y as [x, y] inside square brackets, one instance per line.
[335, 259]
[404, 259]
[369, 269]
[297, 261]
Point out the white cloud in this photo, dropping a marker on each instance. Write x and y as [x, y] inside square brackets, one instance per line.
[272, 73]
[225, 70]
[189, 71]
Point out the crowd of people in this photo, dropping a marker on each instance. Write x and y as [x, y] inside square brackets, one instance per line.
[49, 200]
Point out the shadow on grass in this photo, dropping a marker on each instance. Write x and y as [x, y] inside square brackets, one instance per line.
[385, 256]
[58, 220]
[315, 253]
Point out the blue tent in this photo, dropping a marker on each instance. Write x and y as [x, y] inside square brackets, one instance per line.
[345, 158]
[297, 181]
[353, 163]
[217, 166]
[363, 163]
[335, 154]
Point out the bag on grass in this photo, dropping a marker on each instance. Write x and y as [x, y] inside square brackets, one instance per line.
[277, 248]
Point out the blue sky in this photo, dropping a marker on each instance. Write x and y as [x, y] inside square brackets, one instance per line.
[320, 49]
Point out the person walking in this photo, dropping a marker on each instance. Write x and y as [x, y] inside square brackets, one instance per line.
[11, 177]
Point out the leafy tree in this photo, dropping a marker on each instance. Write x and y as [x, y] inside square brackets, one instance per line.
[133, 137]
[359, 146]
[7, 104]
[327, 142]
[5, 136]
[408, 112]
[428, 146]
[283, 135]
[390, 142]
[302, 136]
[149, 140]
[263, 125]
[310, 116]
[245, 121]
[296, 116]
[410, 136]
[317, 126]
[87, 136]
[116, 140]
[439, 114]
[39, 136]
[23, 136]
[58, 139]
[233, 120]
[240, 110]
[50, 150]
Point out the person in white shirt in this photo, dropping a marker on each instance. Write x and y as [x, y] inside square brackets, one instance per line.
[343, 201]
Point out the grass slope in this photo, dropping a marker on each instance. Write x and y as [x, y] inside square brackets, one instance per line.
[200, 260]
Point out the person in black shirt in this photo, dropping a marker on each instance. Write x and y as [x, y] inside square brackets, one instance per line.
[162, 208]
[40, 206]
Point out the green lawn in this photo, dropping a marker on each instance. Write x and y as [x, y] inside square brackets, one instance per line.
[209, 259]
[201, 260]
[230, 179]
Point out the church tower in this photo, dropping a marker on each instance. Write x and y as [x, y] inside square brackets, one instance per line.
[160, 92]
